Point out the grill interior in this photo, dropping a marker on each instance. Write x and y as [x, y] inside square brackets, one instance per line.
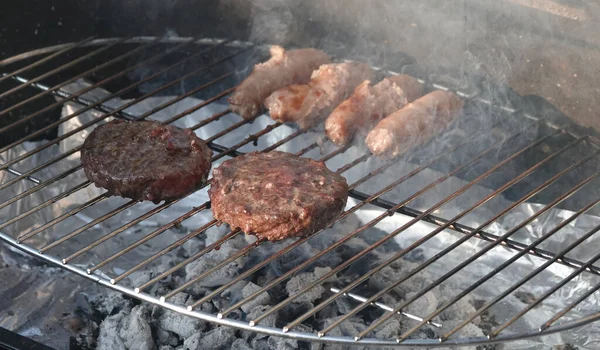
[512, 148]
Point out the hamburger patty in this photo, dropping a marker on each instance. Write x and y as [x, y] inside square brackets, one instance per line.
[276, 195]
[145, 160]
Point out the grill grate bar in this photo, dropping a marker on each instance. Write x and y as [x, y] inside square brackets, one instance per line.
[175, 245]
[525, 279]
[551, 291]
[443, 227]
[401, 229]
[90, 88]
[130, 224]
[63, 175]
[152, 258]
[85, 227]
[483, 251]
[481, 234]
[220, 241]
[569, 307]
[40, 186]
[485, 145]
[302, 240]
[230, 259]
[45, 204]
[68, 81]
[148, 237]
[28, 173]
[20, 174]
[59, 69]
[341, 217]
[62, 217]
[94, 121]
[240, 253]
[383, 306]
[45, 59]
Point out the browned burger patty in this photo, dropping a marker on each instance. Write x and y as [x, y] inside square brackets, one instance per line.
[145, 160]
[276, 195]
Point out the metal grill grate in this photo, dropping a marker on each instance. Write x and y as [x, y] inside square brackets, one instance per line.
[206, 69]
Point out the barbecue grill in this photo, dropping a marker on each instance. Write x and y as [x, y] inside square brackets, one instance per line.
[210, 69]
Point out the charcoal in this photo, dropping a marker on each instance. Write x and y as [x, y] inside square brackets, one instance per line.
[211, 259]
[349, 328]
[459, 310]
[279, 343]
[135, 330]
[240, 344]
[294, 310]
[192, 247]
[214, 233]
[269, 321]
[231, 295]
[108, 338]
[140, 277]
[193, 342]
[207, 308]
[390, 329]
[424, 305]
[468, 331]
[182, 325]
[218, 338]
[262, 299]
[296, 283]
[343, 305]
[329, 311]
[166, 337]
[260, 343]
[112, 303]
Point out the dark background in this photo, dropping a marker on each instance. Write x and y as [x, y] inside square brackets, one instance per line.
[32, 24]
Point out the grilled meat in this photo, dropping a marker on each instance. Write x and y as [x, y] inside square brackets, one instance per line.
[368, 105]
[276, 195]
[282, 69]
[145, 160]
[414, 124]
[308, 104]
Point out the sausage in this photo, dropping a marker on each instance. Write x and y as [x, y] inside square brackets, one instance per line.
[414, 124]
[368, 105]
[308, 104]
[282, 69]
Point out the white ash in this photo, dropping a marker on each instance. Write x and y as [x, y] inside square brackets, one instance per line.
[211, 259]
[240, 344]
[217, 338]
[108, 338]
[389, 330]
[177, 323]
[165, 337]
[296, 283]
[135, 330]
[279, 343]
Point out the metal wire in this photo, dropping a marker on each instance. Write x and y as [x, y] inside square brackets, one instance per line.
[90, 49]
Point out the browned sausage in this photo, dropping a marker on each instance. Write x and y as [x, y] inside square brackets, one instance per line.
[309, 104]
[414, 124]
[282, 69]
[368, 105]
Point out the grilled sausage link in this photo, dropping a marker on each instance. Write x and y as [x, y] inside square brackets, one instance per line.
[282, 69]
[368, 105]
[309, 104]
[415, 124]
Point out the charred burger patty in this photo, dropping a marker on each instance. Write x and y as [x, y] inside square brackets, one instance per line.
[276, 195]
[145, 160]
